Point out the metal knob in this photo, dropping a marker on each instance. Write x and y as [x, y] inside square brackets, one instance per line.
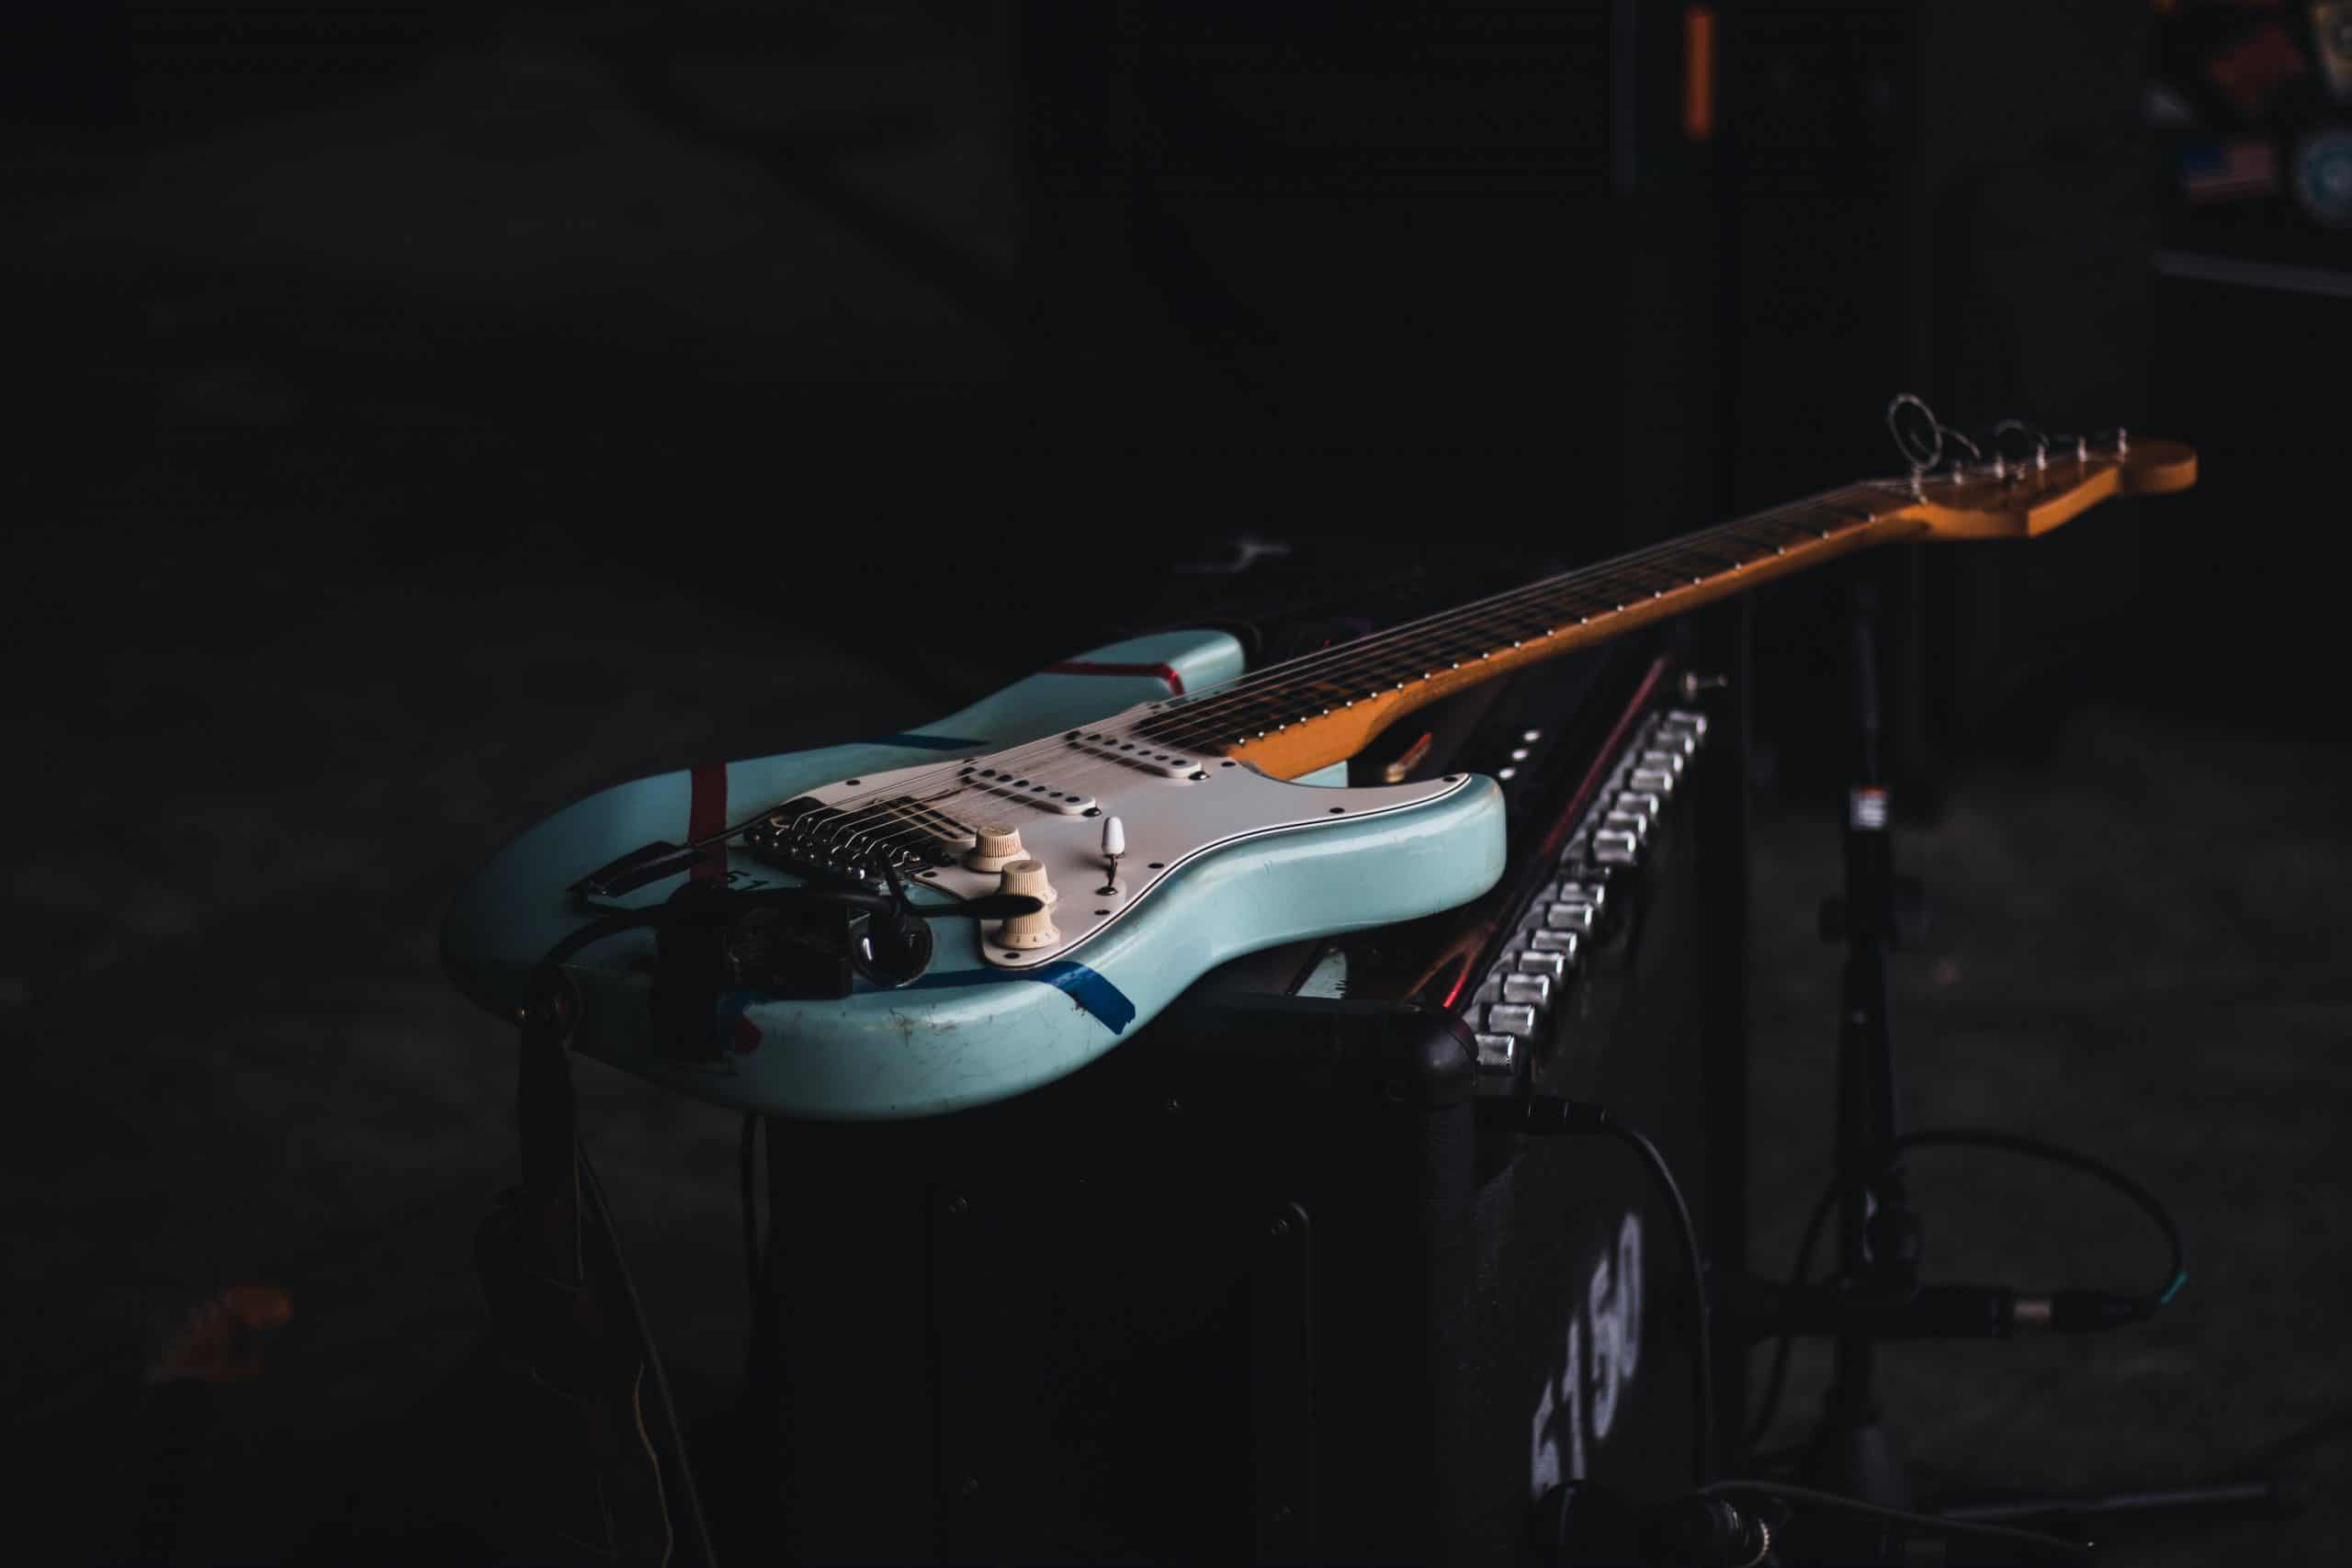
[1498, 1055]
[1530, 990]
[1553, 966]
[1562, 942]
[1508, 1017]
[1639, 802]
[1614, 847]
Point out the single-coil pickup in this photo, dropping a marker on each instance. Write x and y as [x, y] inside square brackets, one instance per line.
[1019, 786]
[1134, 753]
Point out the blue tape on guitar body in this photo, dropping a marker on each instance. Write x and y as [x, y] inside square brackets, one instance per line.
[1089, 989]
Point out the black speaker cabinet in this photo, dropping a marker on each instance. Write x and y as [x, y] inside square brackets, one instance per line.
[1256, 1286]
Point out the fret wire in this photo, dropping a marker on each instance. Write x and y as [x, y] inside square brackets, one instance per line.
[1546, 607]
[1455, 637]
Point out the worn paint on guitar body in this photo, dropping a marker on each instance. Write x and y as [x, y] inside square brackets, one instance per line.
[969, 1032]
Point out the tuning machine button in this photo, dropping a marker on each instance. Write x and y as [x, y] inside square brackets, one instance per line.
[1661, 760]
[1553, 966]
[999, 846]
[1653, 781]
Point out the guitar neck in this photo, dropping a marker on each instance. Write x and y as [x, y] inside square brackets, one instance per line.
[1312, 712]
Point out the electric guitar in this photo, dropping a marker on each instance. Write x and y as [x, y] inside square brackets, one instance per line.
[920, 923]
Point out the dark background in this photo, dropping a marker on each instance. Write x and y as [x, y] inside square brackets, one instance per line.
[426, 414]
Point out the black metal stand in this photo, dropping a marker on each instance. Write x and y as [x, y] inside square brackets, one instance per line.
[1851, 1450]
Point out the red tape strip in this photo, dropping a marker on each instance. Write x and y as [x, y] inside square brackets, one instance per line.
[1087, 667]
[706, 815]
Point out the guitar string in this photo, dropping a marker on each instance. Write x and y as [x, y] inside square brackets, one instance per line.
[1629, 583]
[1628, 572]
[1222, 700]
[1622, 574]
[1630, 575]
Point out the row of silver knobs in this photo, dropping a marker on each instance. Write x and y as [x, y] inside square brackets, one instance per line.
[1526, 982]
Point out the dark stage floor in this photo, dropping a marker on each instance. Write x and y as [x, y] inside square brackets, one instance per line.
[314, 629]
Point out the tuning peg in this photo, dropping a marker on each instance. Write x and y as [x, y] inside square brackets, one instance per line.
[2040, 441]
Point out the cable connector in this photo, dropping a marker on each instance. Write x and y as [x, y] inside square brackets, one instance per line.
[2081, 1312]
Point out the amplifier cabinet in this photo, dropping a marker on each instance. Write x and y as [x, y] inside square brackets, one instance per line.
[1257, 1286]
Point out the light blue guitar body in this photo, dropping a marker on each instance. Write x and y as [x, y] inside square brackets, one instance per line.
[1313, 858]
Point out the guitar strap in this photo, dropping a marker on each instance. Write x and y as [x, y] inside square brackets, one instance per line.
[581, 1380]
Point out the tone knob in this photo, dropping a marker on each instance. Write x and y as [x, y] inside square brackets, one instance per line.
[1022, 931]
[1028, 877]
[999, 846]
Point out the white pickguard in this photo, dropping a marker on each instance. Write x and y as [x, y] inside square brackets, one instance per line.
[1168, 821]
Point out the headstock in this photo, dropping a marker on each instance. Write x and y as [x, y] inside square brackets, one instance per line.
[2031, 483]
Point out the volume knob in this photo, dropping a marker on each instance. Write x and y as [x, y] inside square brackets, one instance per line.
[999, 846]
[1028, 877]
[1029, 931]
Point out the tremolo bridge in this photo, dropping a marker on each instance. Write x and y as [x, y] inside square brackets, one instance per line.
[811, 838]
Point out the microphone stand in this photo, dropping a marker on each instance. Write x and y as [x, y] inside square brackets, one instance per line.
[1851, 1450]
[1877, 1294]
